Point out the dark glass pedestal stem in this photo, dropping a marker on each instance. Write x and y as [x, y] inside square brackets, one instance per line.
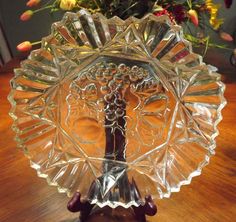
[115, 138]
[115, 150]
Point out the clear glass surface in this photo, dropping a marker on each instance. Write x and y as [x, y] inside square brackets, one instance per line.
[116, 109]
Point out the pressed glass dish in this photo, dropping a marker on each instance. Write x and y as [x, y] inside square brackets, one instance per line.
[116, 109]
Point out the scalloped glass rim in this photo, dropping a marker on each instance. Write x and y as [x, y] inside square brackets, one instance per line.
[42, 68]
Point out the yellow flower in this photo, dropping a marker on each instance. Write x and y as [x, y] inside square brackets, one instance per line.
[67, 4]
[213, 10]
[215, 23]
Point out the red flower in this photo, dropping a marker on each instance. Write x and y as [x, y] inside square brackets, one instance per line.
[26, 15]
[24, 46]
[228, 3]
[164, 12]
[32, 3]
[179, 13]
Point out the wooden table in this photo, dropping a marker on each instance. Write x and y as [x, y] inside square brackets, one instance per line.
[210, 197]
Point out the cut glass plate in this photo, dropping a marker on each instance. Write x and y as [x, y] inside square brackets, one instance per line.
[116, 109]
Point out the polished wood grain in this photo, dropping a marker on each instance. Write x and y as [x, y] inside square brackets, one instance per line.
[210, 197]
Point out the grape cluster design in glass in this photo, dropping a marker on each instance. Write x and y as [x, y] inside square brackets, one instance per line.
[116, 109]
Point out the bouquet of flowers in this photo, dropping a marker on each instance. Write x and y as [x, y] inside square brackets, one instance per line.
[203, 14]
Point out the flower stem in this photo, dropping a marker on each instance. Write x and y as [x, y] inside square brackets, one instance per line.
[96, 3]
[189, 2]
[44, 8]
[36, 43]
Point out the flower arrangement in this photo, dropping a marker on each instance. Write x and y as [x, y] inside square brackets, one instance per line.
[202, 14]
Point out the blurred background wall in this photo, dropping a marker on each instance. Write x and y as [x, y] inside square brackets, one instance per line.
[17, 31]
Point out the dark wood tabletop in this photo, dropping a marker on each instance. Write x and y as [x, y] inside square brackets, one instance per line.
[210, 197]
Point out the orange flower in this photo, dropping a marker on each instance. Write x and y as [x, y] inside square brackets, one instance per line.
[32, 3]
[24, 46]
[26, 15]
[193, 16]
[226, 36]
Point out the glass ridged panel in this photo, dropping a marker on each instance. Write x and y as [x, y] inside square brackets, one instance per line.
[125, 104]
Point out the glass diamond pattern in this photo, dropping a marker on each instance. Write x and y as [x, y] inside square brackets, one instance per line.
[116, 109]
